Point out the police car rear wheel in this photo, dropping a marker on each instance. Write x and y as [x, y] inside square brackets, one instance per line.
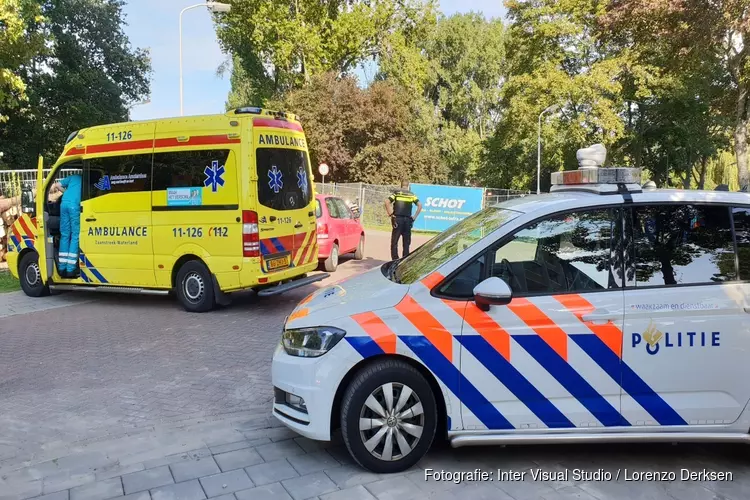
[388, 417]
[31, 276]
[194, 287]
[332, 262]
[359, 254]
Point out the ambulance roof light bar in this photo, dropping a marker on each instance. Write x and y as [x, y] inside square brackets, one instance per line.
[590, 176]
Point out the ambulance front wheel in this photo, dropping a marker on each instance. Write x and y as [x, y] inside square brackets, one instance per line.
[31, 276]
[388, 416]
[194, 287]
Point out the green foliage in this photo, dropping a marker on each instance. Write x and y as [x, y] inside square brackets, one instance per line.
[280, 44]
[372, 135]
[18, 45]
[88, 76]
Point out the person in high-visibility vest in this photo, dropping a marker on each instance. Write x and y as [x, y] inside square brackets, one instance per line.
[399, 206]
[70, 224]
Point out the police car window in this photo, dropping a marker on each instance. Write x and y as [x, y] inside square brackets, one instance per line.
[186, 168]
[333, 209]
[283, 180]
[117, 174]
[682, 244]
[565, 253]
[446, 245]
[742, 233]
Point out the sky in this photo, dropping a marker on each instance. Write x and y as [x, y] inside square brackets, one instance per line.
[153, 25]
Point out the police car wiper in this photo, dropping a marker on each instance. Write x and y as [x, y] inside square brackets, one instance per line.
[392, 271]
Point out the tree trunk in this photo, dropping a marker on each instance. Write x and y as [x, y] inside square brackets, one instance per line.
[740, 136]
[704, 167]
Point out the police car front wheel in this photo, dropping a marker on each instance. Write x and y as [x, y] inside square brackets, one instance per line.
[194, 287]
[388, 416]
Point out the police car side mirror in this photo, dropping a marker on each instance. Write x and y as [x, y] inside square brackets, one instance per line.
[492, 292]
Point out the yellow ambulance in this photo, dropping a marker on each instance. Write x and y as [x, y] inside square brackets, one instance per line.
[202, 206]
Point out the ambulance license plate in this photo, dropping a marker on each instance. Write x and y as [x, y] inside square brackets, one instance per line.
[277, 263]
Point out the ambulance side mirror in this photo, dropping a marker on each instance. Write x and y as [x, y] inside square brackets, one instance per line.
[492, 292]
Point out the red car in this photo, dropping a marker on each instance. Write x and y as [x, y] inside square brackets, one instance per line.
[339, 231]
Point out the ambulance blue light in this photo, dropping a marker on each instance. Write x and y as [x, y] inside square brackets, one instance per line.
[254, 110]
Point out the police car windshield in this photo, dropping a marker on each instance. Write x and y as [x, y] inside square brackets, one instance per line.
[448, 244]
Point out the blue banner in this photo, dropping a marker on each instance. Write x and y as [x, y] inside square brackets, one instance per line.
[443, 206]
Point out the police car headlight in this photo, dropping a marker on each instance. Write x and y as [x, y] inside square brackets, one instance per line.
[311, 342]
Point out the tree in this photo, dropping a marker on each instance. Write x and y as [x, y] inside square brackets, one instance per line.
[374, 135]
[558, 58]
[708, 38]
[18, 45]
[282, 44]
[88, 76]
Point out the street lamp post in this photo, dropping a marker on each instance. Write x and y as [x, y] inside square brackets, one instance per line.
[539, 148]
[213, 7]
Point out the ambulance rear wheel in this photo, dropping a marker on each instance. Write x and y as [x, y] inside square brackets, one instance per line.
[332, 262]
[194, 287]
[31, 276]
[388, 417]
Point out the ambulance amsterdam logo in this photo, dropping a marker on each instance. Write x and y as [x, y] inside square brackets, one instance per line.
[652, 338]
[275, 179]
[214, 176]
[103, 184]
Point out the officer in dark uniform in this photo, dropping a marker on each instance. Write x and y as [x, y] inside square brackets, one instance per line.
[399, 207]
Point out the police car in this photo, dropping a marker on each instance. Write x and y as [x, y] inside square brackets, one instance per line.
[601, 312]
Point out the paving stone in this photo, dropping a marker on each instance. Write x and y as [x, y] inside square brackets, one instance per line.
[65, 480]
[177, 458]
[247, 443]
[354, 493]
[271, 472]
[394, 489]
[310, 485]
[229, 496]
[282, 449]
[311, 446]
[16, 490]
[238, 459]
[117, 470]
[190, 490]
[100, 490]
[312, 462]
[142, 495]
[226, 482]
[59, 495]
[147, 479]
[273, 491]
[347, 476]
[182, 471]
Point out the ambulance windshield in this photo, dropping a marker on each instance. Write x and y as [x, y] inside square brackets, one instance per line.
[447, 245]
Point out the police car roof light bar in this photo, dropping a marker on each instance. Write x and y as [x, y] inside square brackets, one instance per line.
[589, 171]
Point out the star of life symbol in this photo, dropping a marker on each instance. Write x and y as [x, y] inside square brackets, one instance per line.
[275, 179]
[302, 179]
[214, 176]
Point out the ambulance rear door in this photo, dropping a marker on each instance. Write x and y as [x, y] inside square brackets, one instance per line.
[286, 215]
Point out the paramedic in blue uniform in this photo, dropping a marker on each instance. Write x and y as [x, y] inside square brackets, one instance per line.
[399, 206]
[70, 223]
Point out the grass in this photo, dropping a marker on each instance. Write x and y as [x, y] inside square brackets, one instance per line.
[8, 283]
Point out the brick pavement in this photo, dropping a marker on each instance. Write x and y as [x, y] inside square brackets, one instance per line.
[123, 395]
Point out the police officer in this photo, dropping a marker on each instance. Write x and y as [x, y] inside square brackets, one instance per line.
[70, 223]
[398, 206]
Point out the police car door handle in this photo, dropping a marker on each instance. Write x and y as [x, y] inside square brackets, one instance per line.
[600, 316]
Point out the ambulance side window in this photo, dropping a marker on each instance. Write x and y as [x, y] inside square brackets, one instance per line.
[573, 252]
[185, 168]
[116, 174]
[682, 244]
[742, 233]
